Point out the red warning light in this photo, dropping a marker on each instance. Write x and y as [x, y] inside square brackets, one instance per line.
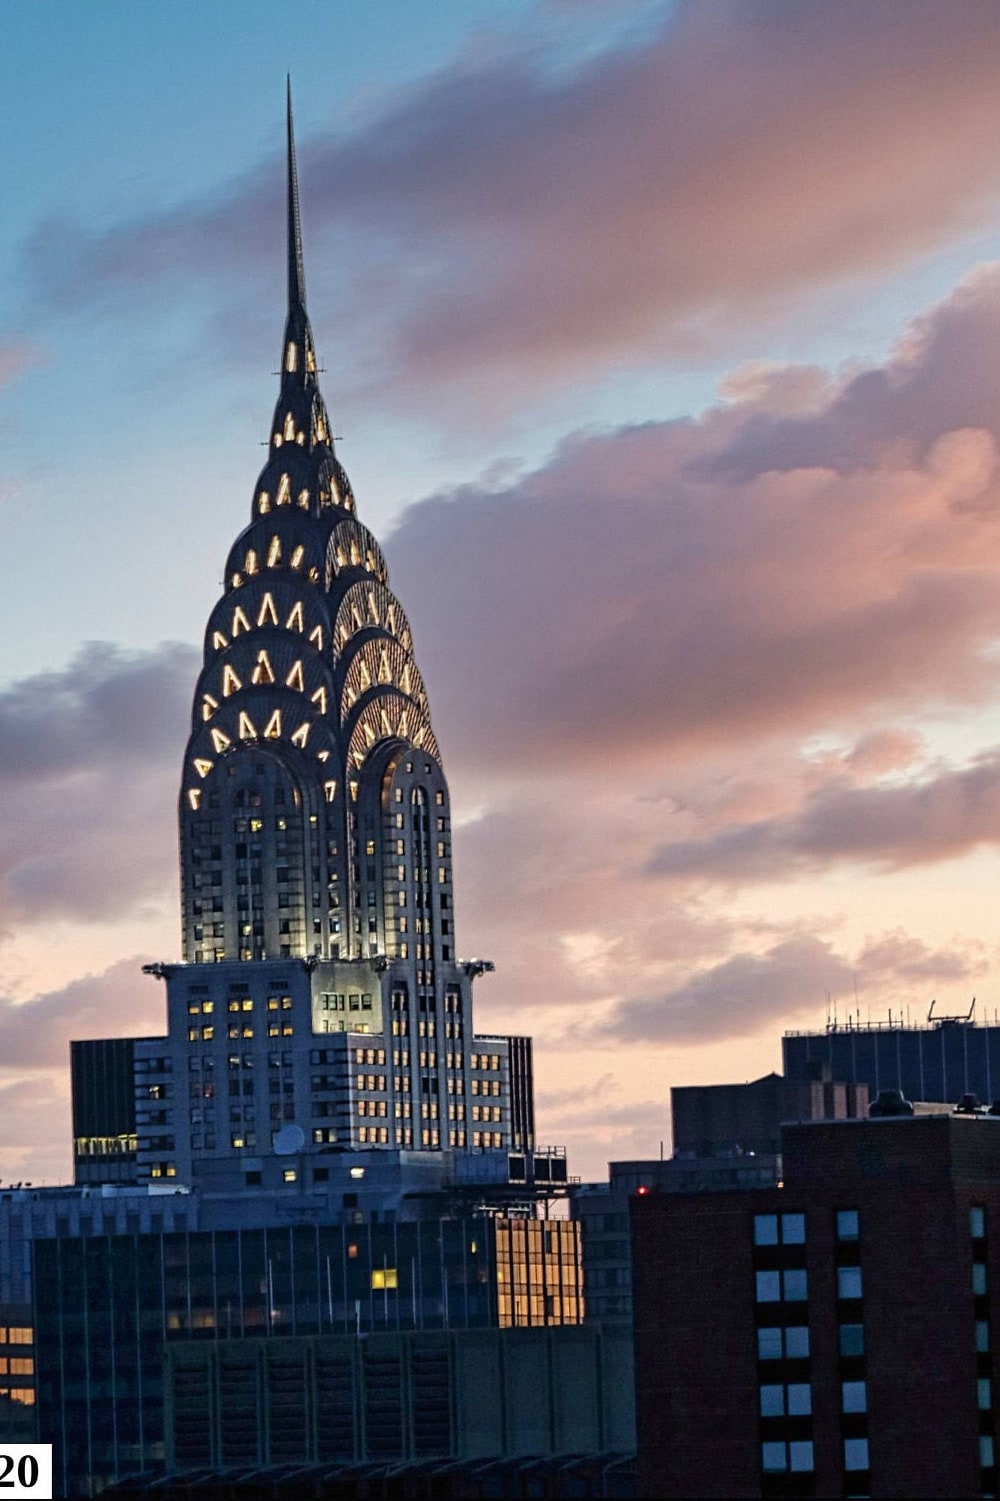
[642, 1189]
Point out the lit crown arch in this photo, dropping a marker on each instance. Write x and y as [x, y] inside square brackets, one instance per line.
[368, 605]
[389, 716]
[263, 660]
[352, 546]
[267, 603]
[380, 662]
[334, 486]
[290, 544]
[280, 722]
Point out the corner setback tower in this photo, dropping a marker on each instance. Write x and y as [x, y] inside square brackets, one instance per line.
[314, 810]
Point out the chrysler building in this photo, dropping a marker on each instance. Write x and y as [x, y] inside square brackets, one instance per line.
[321, 1005]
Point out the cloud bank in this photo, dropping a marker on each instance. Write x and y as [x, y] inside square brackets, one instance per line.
[510, 223]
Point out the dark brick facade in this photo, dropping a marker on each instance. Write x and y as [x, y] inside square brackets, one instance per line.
[850, 1353]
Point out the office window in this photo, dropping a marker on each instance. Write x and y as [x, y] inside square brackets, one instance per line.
[794, 1286]
[777, 1457]
[765, 1229]
[977, 1222]
[772, 1401]
[853, 1396]
[799, 1399]
[855, 1454]
[797, 1342]
[848, 1282]
[773, 1457]
[793, 1229]
[768, 1343]
[852, 1339]
[385, 1278]
[982, 1336]
[847, 1224]
[800, 1456]
[984, 1394]
[768, 1287]
[979, 1278]
[986, 1452]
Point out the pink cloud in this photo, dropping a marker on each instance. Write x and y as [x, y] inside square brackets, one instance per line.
[90, 760]
[121, 1002]
[948, 814]
[750, 991]
[655, 588]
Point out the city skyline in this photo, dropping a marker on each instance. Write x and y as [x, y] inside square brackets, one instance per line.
[661, 339]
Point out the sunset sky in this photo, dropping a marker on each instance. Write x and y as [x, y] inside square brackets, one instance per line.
[663, 343]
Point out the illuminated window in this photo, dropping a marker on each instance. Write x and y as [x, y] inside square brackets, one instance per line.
[274, 552]
[263, 671]
[264, 503]
[319, 698]
[250, 562]
[240, 621]
[301, 735]
[220, 740]
[272, 730]
[292, 357]
[247, 729]
[297, 557]
[268, 615]
[203, 767]
[295, 678]
[289, 429]
[208, 706]
[385, 1278]
[295, 621]
[230, 681]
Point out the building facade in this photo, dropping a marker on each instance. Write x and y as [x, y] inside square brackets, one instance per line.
[941, 1061]
[108, 1308]
[459, 1394]
[834, 1336]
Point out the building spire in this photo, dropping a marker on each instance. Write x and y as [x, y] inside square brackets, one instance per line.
[296, 275]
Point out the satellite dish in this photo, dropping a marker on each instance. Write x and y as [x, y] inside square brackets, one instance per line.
[289, 1139]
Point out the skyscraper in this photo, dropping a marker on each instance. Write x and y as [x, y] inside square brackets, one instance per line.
[321, 1004]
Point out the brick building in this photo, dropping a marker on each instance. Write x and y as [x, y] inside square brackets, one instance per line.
[830, 1337]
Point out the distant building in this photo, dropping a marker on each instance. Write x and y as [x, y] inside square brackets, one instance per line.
[420, 1395]
[831, 1337]
[940, 1061]
[725, 1136]
[719, 1120]
[102, 1080]
[107, 1309]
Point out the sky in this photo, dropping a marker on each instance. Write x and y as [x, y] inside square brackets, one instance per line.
[662, 342]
